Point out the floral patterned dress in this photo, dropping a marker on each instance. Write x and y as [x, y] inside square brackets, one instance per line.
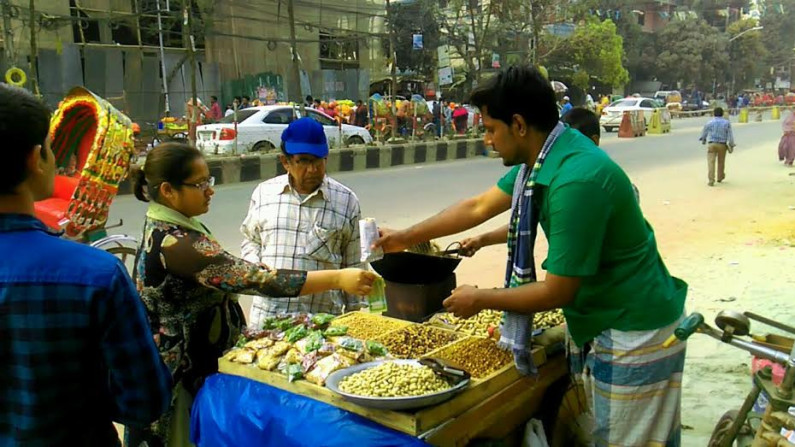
[188, 285]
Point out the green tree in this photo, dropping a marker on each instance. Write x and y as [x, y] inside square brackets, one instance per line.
[745, 53]
[407, 19]
[639, 46]
[595, 50]
[778, 35]
[692, 52]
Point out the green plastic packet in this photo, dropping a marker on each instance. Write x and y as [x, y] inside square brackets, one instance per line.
[377, 297]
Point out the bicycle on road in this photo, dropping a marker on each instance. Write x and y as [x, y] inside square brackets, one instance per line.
[744, 427]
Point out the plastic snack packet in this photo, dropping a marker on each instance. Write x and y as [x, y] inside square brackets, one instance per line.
[368, 232]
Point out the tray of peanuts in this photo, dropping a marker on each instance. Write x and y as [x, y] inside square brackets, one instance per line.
[396, 384]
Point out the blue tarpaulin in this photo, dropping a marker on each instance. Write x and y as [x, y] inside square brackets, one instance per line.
[234, 411]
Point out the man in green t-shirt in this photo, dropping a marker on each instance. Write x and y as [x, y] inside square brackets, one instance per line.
[603, 267]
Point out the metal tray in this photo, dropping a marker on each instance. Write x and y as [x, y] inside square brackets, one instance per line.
[390, 403]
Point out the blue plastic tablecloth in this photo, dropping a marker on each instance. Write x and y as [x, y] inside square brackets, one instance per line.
[235, 411]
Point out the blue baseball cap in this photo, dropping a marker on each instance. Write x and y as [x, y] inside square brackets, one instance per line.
[305, 136]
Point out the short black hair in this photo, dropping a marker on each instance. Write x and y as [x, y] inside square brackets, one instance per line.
[214, 98]
[718, 111]
[583, 120]
[308, 98]
[519, 90]
[24, 124]
[246, 98]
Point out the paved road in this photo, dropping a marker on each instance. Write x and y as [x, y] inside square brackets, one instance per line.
[400, 196]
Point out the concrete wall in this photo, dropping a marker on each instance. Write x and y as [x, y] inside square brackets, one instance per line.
[249, 168]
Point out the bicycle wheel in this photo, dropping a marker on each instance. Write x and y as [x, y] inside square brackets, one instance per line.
[125, 254]
[720, 434]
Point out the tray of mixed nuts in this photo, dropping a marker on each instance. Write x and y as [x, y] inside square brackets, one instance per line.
[396, 384]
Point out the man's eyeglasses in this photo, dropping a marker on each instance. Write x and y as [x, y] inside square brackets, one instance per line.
[204, 186]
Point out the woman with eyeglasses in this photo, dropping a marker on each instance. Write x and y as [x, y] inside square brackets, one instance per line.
[188, 282]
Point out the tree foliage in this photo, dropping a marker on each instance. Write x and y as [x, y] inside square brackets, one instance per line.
[408, 19]
[746, 52]
[778, 35]
[692, 52]
[594, 50]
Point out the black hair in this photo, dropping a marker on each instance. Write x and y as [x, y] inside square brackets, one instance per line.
[24, 124]
[246, 97]
[168, 162]
[718, 111]
[317, 100]
[214, 98]
[308, 98]
[583, 120]
[519, 90]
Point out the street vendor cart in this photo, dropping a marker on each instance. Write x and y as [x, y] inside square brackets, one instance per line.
[254, 401]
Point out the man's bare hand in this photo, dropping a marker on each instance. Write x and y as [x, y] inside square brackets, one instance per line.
[463, 302]
[470, 246]
[391, 241]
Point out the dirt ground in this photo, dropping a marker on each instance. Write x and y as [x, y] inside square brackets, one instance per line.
[733, 243]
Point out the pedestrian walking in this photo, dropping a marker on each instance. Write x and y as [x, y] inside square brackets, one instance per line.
[718, 136]
[786, 147]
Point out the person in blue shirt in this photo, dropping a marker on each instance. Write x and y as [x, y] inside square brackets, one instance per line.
[717, 133]
[76, 349]
[566, 107]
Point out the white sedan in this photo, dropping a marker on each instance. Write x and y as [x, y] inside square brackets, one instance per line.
[259, 129]
[612, 114]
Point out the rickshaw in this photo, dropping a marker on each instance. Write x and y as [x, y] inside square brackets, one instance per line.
[93, 146]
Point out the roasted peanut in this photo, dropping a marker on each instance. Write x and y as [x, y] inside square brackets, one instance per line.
[416, 340]
[477, 324]
[548, 319]
[478, 356]
[393, 380]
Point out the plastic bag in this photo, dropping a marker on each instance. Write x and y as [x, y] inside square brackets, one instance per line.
[351, 344]
[368, 233]
[294, 372]
[296, 333]
[534, 435]
[322, 319]
[375, 349]
[336, 331]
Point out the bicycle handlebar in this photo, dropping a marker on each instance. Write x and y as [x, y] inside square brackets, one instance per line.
[695, 323]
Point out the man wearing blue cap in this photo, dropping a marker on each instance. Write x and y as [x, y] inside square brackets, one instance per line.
[303, 220]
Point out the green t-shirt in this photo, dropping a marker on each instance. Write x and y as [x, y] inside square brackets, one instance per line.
[596, 231]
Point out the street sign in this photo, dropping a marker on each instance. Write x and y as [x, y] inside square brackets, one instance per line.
[445, 76]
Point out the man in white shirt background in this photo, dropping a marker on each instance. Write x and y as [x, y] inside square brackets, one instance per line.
[303, 220]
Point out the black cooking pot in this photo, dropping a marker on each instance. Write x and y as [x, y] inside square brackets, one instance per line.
[414, 268]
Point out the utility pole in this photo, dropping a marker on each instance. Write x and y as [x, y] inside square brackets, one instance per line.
[190, 43]
[299, 98]
[162, 56]
[393, 70]
[34, 51]
[8, 35]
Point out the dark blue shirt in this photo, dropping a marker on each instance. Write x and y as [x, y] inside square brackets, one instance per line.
[76, 350]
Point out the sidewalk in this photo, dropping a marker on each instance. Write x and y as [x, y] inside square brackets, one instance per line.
[733, 243]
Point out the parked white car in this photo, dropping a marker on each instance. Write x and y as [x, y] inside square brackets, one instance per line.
[259, 129]
[612, 114]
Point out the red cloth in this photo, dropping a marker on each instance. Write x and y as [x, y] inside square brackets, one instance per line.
[215, 112]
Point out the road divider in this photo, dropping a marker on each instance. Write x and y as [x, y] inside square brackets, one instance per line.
[251, 167]
[633, 124]
[660, 122]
